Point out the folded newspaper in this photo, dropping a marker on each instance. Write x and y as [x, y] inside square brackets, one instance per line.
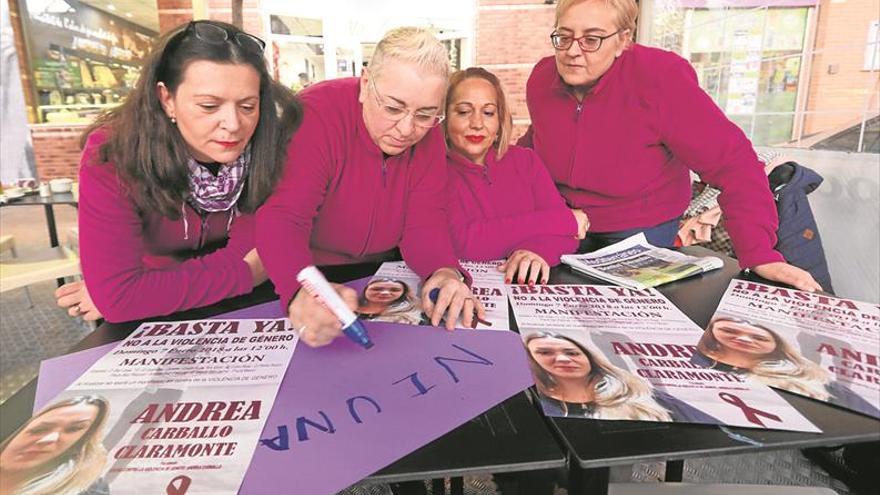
[636, 264]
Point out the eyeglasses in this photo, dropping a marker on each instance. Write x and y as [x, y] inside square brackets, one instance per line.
[212, 33]
[587, 43]
[396, 113]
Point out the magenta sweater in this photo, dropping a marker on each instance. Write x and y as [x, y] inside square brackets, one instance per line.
[507, 205]
[138, 264]
[340, 201]
[623, 153]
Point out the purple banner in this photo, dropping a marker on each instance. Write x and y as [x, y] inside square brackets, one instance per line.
[342, 413]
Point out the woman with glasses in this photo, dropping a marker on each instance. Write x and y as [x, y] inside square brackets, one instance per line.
[366, 174]
[620, 126]
[170, 180]
[502, 202]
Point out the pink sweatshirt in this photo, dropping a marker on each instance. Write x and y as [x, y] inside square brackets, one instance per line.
[507, 205]
[623, 154]
[139, 264]
[340, 201]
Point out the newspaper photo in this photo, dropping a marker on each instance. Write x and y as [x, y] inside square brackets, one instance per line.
[637, 264]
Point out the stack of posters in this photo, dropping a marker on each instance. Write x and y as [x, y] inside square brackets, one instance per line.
[177, 407]
[392, 295]
[605, 352]
[635, 263]
[815, 345]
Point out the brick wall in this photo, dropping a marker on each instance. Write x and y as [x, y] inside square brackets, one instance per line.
[838, 80]
[511, 36]
[56, 149]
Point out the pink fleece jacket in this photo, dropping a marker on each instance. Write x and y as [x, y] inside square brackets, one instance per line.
[507, 205]
[623, 154]
[341, 201]
[138, 264]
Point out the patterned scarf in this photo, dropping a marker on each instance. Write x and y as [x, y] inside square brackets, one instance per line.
[210, 193]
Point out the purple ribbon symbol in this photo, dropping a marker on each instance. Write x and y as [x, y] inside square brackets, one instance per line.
[751, 414]
[179, 489]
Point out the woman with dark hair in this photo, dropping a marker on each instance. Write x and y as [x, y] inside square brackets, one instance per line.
[170, 180]
[390, 300]
[502, 202]
[57, 451]
[739, 346]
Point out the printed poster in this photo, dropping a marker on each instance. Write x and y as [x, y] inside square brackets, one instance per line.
[606, 352]
[393, 295]
[816, 345]
[177, 407]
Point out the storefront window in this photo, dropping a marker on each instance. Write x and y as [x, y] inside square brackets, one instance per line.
[748, 60]
[784, 71]
[83, 59]
[297, 50]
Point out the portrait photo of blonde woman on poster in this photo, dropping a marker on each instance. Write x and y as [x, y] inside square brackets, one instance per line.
[575, 379]
[58, 451]
[753, 349]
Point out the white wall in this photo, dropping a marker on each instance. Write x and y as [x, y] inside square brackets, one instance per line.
[16, 151]
[847, 210]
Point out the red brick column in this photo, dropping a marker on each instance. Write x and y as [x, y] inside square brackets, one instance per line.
[173, 13]
[512, 35]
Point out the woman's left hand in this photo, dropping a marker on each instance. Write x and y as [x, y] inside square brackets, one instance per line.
[528, 265]
[788, 274]
[454, 300]
[75, 297]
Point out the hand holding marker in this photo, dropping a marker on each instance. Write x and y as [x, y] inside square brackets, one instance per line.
[314, 283]
[435, 293]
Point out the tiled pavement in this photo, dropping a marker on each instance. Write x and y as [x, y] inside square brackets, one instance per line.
[30, 334]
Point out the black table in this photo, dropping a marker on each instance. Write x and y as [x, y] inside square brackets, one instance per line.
[48, 204]
[595, 445]
[512, 436]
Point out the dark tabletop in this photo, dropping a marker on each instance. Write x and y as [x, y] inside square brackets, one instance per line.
[597, 443]
[37, 200]
[513, 435]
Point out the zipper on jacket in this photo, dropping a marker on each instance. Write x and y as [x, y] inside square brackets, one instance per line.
[577, 111]
[373, 211]
[486, 176]
[203, 230]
